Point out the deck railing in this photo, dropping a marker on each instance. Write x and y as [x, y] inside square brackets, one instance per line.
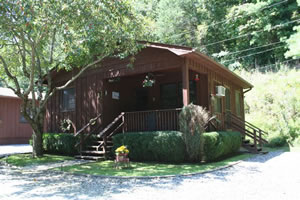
[152, 120]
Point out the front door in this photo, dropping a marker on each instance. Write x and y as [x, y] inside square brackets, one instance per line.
[141, 99]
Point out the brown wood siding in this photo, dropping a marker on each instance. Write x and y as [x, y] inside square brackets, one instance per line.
[12, 131]
[213, 78]
[94, 91]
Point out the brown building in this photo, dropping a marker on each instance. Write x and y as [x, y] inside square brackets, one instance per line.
[181, 76]
[13, 127]
[148, 96]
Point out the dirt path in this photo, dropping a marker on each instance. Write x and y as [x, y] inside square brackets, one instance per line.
[272, 176]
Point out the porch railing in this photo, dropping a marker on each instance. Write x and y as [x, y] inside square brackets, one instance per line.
[152, 120]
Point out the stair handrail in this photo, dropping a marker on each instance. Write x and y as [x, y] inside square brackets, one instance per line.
[90, 123]
[248, 124]
[121, 116]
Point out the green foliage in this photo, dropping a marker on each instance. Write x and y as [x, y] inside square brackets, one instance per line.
[22, 160]
[240, 25]
[37, 37]
[277, 141]
[107, 168]
[274, 103]
[162, 146]
[220, 144]
[60, 143]
[192, 121]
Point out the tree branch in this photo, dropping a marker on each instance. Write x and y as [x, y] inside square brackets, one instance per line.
[15, 80]
[52, 46]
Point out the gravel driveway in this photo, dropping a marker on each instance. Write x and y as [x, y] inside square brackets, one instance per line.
[275, 175]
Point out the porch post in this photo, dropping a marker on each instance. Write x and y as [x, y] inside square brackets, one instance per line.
[185, 84]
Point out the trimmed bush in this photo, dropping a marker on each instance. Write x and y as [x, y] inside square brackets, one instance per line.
[161, 146]
[60, 143]
[219, 144]
[277, 140]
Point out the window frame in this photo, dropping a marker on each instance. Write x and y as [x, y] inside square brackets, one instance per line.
[67, 108]
[238, 104]
[217, 100]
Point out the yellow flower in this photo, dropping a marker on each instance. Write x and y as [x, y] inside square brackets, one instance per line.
[122, 149]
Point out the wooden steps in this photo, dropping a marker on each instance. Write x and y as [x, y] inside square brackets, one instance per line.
[96, 158]
[254, 135]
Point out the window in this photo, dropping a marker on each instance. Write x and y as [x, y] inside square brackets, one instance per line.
[22, 119]
[169, 95]
[218, 104]
[238, 102]
[217, 101]
[227, 99]
[68, 99]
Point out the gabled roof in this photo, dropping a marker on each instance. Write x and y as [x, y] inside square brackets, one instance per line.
[8, 93]
[194, 54]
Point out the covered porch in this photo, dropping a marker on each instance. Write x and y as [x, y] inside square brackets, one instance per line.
[154, 107]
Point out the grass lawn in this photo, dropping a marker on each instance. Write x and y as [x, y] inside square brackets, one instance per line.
[22, 160]
[148, 169]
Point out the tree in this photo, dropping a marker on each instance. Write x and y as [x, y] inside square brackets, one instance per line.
[37, 37]
[294, 42]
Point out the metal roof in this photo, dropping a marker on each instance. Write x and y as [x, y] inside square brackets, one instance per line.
[6, 92]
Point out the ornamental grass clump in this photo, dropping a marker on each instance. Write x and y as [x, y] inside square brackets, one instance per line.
[192, 122]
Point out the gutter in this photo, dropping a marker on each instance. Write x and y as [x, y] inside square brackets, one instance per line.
[244, 92]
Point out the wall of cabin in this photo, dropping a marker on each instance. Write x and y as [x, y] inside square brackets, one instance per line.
[214, 79]
[95, 87]
[12, 130]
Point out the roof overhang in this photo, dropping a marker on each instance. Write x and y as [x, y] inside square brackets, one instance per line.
[193, 54]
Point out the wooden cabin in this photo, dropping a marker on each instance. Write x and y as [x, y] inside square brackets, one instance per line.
[14, 129]
[180, 75]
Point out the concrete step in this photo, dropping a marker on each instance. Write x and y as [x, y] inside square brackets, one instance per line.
[97, 158]
[93, 152]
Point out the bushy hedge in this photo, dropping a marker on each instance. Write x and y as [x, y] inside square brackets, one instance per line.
[60, 143]
[219, 144]
[277, 140]
[169, 146]
[161, 146]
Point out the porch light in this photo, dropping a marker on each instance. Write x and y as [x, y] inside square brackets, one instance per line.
[197, 77]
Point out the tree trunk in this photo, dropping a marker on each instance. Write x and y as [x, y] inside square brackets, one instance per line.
[37, 136]
[37, 142]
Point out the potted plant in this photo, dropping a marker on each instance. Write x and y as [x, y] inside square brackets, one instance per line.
[149, 80]
[122, 153]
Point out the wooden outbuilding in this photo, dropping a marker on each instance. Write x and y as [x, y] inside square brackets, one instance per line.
[149, 95]
[14, 129]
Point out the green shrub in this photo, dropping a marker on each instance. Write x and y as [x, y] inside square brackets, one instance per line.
[60, 143]
[277, 140]
[219, 144]
[162, 146]
[192, 122]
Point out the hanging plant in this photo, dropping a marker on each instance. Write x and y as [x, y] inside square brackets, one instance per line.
[149, 80]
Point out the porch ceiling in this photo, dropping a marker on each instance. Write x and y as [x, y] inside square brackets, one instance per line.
[193, 54]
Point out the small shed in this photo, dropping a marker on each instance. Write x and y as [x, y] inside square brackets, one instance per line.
[14, 129]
